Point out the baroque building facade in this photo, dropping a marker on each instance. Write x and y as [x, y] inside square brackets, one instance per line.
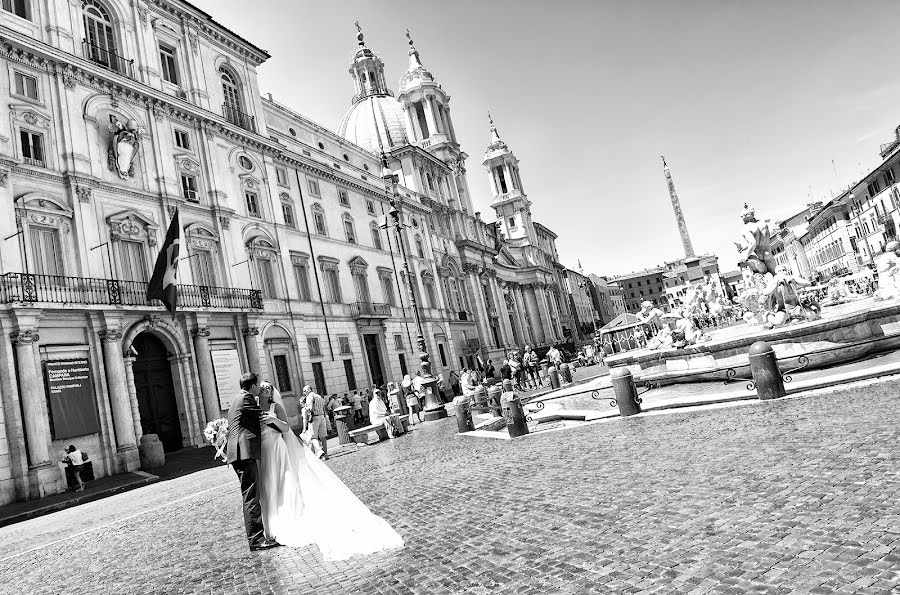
[121, 113]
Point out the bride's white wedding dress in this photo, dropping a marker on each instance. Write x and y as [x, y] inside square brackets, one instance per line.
[304, 503]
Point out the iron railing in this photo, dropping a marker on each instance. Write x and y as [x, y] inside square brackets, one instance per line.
[107, 59]
[26, 287]
[370, 310]
[238, 118]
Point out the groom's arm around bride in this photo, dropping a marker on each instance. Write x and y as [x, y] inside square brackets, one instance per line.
[243, 455]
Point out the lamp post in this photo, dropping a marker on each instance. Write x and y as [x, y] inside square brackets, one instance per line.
[434, 405]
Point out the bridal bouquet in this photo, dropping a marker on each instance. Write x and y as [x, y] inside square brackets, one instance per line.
[216, 433]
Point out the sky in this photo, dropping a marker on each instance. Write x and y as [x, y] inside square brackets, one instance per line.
[773, 103]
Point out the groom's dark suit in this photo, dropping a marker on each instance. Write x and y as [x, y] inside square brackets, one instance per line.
[243, 454]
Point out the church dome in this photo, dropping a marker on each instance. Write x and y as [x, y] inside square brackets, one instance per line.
[374, 122]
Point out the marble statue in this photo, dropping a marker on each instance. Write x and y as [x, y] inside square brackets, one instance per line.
[755, 245]
[785, 303]
[888, 266]
[124, 146]
[650, 314]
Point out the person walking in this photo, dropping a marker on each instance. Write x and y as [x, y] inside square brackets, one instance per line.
[74, 458]
[454, 383]
[315, 413]
[489, 370]
[412, 403]
[356, 403]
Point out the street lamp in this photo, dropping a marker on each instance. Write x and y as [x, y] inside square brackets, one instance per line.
[434, 405]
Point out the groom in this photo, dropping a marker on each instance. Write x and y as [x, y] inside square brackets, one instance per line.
[243, 455]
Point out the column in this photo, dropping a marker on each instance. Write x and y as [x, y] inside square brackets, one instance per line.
[119, 396]
[500, 300]
[207, 377]
[537, 316]
[195, 427]
[429, 115]
[31, 387]
[252, 346]
[522, 314]
[132, 393]
[413, 133]
[475, 293]
[546, 318]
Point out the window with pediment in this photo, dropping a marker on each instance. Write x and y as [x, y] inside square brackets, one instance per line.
[376, 236]
[188, 170]
[300, 263]
[132, 235]
[359, 269]
[420, 247]
[332, 281]
[287, 210]
[318, 216]
[349, 229]
[430, 292]
[386, 278]
[263, 255]
[203, 252]
[46, 223]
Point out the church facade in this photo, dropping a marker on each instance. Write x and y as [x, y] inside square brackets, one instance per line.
[119, 114]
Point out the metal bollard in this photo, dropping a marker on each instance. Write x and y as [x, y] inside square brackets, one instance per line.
[463, 415]
[565, 373]
[507, 385]
[343, 421]
[479, 396]
[545, 371]
[493, 400]
[514, 415]
[554, 376]
[626, 392]
[764, 368]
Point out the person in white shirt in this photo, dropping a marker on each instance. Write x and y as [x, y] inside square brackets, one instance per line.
[74, 458]
[315, 413]
[356, 402]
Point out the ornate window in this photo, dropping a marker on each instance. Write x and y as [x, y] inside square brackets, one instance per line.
[26, 86]
[318, 214]
[46, 251]
[281, 177]
[301, 272]
[313, 187]
[19, 8]
[420, 247]
[376, 236]
[233, 107]
[430, 293]
[370, 207]
[32, 147]
[386, 279]
[99, 39]
[359, 270]
[344, 197]
[203, 246]
[263, 255]
[349, 230]
[251, 199]
[168, 63]
[331, 272]
[189, 177]
[287, 211]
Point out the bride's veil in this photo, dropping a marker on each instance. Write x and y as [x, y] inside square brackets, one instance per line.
[276, 396]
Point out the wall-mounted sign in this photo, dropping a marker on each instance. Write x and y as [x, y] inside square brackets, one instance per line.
[70, 390]
[227, 368]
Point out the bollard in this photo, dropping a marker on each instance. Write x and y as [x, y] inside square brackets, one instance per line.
[565, 373]
[764, 368]
[545, 371]
[463, 415]
[150, 452]
[507, 385]
[626, 392]
[343, 421]
[514, 415]
[479, 396]
[493, 400]
[554, 376]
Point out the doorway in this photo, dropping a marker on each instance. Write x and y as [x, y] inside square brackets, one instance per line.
[156, 391]
[373, 355]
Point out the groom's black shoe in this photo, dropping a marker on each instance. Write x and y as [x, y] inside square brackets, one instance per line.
[264, 545]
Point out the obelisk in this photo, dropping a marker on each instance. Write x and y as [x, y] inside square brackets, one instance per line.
[679, 216]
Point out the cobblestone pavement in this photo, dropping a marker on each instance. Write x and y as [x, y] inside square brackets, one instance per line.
[798, 495]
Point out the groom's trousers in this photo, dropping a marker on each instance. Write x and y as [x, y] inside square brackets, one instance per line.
[248, 474]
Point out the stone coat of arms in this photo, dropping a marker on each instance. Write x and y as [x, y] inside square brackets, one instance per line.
[124, 146]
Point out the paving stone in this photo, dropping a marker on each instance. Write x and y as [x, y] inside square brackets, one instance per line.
[796, 495]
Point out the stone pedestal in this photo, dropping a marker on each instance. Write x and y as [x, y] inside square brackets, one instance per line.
[151, 452]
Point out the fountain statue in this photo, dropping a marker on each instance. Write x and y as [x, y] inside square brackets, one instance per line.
[770, 292]
[888, 266]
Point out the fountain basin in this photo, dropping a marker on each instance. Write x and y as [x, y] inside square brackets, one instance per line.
[845, 333]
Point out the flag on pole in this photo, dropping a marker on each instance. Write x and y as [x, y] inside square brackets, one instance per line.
[163, 285]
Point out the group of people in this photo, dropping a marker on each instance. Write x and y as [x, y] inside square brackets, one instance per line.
[288, 493]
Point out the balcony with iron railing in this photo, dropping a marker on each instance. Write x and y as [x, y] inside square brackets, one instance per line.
[108, 59]
[369, 310]
[52, 289]
[238, 118]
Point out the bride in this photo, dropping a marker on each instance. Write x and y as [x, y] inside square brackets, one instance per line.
[299, 495]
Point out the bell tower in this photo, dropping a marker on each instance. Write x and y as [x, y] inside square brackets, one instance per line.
[510, 202]
[367, 71]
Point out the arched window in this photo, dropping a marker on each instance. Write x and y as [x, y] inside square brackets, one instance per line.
[99, 40]
[349, 230]
[420, 247]
[233, 107]
[376, 236]
[287, 211]
[318, 215]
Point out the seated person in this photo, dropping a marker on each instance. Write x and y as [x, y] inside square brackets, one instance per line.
[379, 414]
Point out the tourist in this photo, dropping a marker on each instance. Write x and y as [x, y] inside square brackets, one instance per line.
[515, 367]
[506, 371]
[356, 403]
[333, 403]
[393, 394]
[555, 357]
[364, 404]
[315, 418]
[454, 383]
[74, 458]
[530, 364]
[380, 415]
[412, 403]
[489, 370]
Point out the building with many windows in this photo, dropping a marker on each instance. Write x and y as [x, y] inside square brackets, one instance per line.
[121, 114]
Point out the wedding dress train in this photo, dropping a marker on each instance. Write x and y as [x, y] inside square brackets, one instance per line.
[304, 503]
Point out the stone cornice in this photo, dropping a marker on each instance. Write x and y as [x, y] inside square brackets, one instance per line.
[74, 70]
[202, 24]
